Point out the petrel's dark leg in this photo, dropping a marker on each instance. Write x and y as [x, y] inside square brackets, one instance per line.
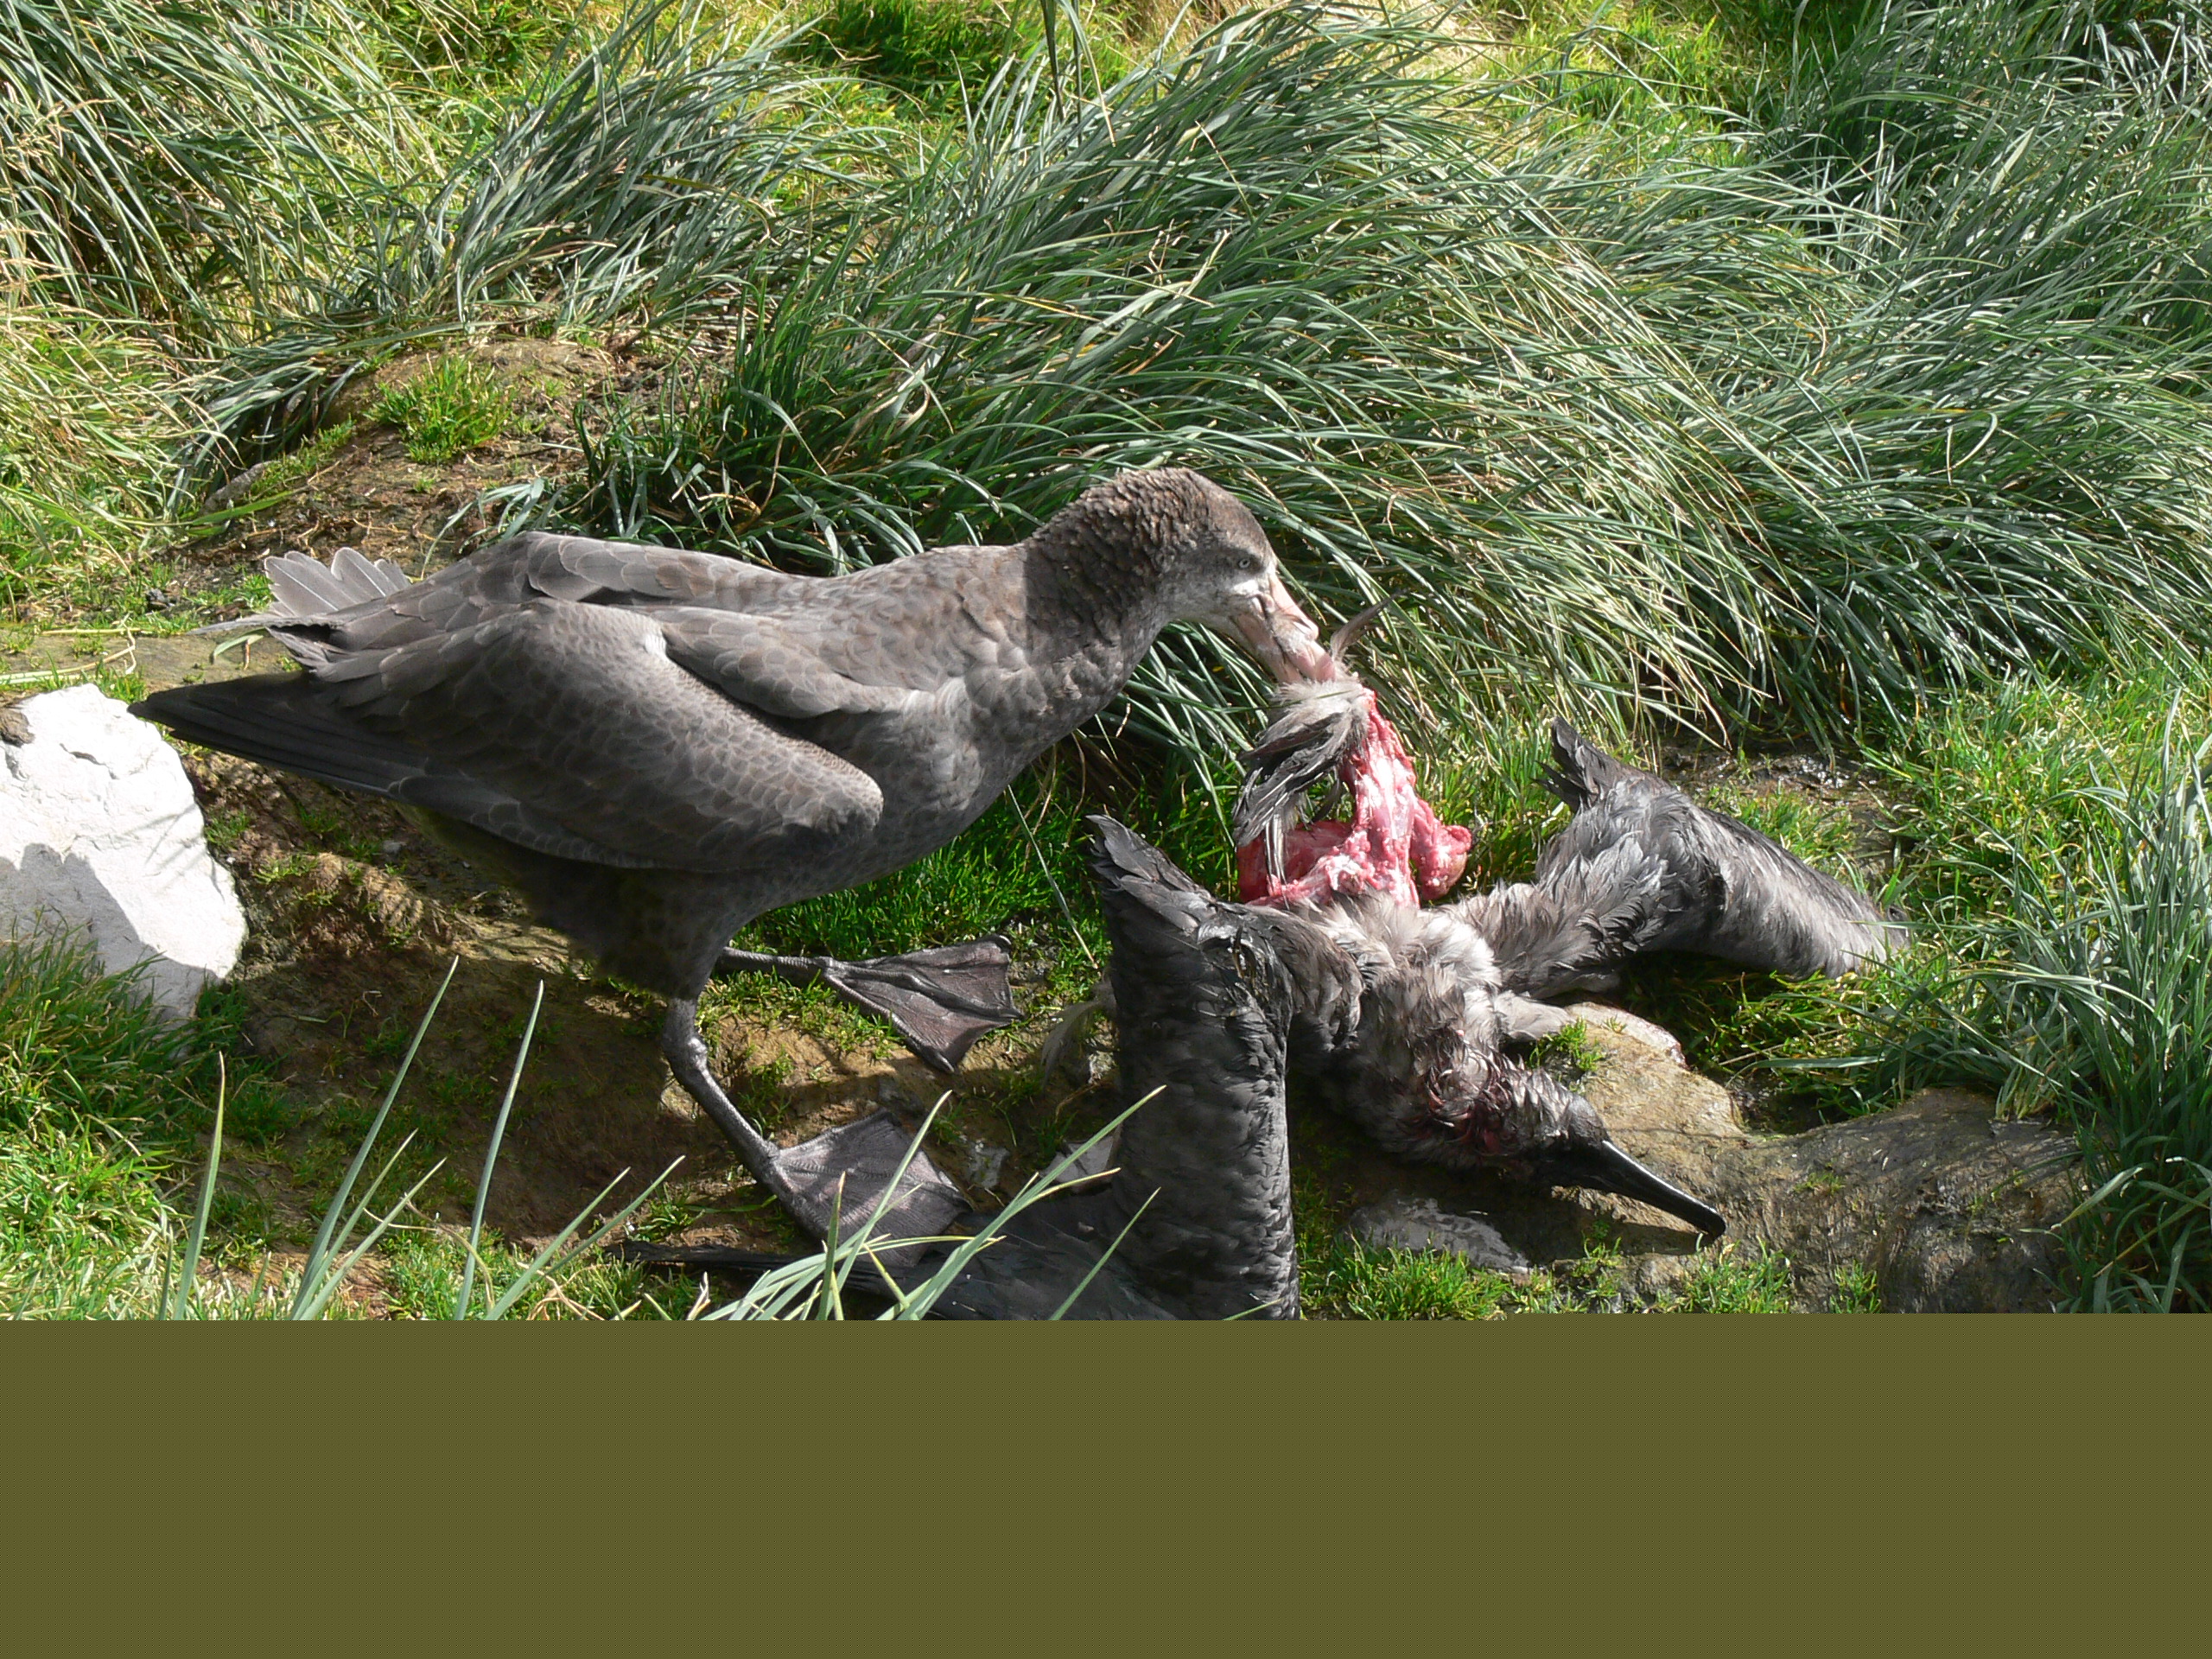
[940, 1001]
[845, 1173]
[687, 1057]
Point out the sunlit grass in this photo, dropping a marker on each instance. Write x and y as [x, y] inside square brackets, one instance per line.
[450, 407]
[1834, 375]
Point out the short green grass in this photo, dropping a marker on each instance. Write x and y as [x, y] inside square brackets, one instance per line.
[934, 51]
[100, 1107]
[1731, 1278]
[455, 405]
[1857, 1290]
[422, 1270]
[1350, 1282]
[1571, 1052]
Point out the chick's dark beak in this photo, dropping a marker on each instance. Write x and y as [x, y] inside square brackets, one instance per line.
[1281, 636]
[1606, 1168]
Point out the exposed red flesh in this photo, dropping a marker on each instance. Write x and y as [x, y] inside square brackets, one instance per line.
[1393, 841]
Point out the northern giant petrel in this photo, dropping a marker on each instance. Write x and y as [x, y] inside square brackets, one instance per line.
[655, 747]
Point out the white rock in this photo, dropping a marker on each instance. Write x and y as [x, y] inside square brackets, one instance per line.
[100, 837]
[986, 1163]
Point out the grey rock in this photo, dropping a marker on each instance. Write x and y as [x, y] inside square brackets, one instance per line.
[1947, 1206]
[101, 838]
[1634, 1026]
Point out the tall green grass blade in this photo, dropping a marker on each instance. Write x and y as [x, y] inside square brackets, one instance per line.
[555, 1252]
[189, 1274]
[828, 1301]
[317, 1293]
[318, 1252]
[1105, 1255]
[1037, 1187]
[492, 1151]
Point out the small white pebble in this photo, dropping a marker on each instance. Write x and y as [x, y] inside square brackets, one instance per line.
[388, 849]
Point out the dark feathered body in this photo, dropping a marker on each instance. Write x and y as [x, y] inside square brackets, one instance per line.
[1202, 1011]
[1200, 1199]
[1642, 867]
[1195, 1221]
[1404, 1024]
[1727, 890]
[655, 746]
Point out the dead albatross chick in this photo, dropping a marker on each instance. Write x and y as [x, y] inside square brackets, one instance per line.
[1428, 1053]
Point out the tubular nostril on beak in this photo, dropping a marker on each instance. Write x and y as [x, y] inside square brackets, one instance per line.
[1274, 630]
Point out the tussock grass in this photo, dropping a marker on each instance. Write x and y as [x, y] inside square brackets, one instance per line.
[1746, 430]
[460, 44]
[2089, 994]
[624, 181]
[935, 51]
[160, 160]
[447, 409]
[89, 416]
[1284, 258]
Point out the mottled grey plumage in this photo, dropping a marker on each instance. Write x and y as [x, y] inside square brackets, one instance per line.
[1411, 1032]
[657, 746]
[1202, 1012]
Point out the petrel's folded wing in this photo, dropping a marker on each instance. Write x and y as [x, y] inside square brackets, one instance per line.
[361, 604]
[564, 727]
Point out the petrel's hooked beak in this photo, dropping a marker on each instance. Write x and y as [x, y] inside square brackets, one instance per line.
[1281, 636]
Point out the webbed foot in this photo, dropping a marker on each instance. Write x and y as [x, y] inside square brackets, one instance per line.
[843, 1175]
[941, 1001]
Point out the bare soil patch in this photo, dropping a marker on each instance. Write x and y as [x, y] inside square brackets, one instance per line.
[366, 494]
